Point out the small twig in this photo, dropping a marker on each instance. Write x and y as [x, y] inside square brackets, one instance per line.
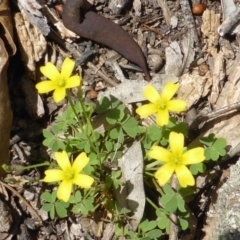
[33, 212]
[214, 114]
[102, 75]
[230, 23]
[156, 31]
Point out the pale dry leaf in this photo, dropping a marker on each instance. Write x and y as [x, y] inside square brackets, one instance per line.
[131, 194]
[174, 59]
[32, 43]
[132, 91]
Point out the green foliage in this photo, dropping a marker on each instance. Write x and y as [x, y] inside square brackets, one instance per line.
[147, 230]
[54, 206]
[216, 148]
[81, 205]
[73, 131]
[197, 168]
[113, 180]
[52, 139]
[163, 221]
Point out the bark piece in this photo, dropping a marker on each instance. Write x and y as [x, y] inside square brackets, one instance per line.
[223, 217]
[7, 48]
[33, 11]
[32, 43]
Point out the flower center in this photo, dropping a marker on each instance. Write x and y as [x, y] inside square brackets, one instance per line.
[176, 159]
[162, 104]
[69, 174]
[61, 83]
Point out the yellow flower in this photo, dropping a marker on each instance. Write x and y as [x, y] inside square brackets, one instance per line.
[69, 174]
[175, 160]
[161, 104]
[58, 82]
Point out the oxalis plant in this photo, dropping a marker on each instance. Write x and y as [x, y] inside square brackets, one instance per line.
[79, 176]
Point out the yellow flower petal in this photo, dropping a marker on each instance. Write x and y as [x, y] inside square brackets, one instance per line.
[176, 142]
[146, 110]
[162, 117]
[59, 94]
[73, 81]
[184, 176]
[53, 175]
[83, 181]
[50, 71]
[80, 162]
[164, 173]
[160, 154]
[169, 90]
[67, 68]
[176, 105]
[64, 190]
[195, 155]
[63, 160]
[45, 86]
[151, 94]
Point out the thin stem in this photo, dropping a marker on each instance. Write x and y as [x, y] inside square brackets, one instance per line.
[80, 123]
[30, 167]
[151, 165]
[159, 189]
[151, 202]
[74, 110]
[173, 216]
[89, 124]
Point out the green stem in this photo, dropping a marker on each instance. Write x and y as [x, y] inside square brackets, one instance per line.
[153, 204]
[151, 165]
[74, 110]
[80, 123]
[89, 124]
[157, 187]
[31, 166]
